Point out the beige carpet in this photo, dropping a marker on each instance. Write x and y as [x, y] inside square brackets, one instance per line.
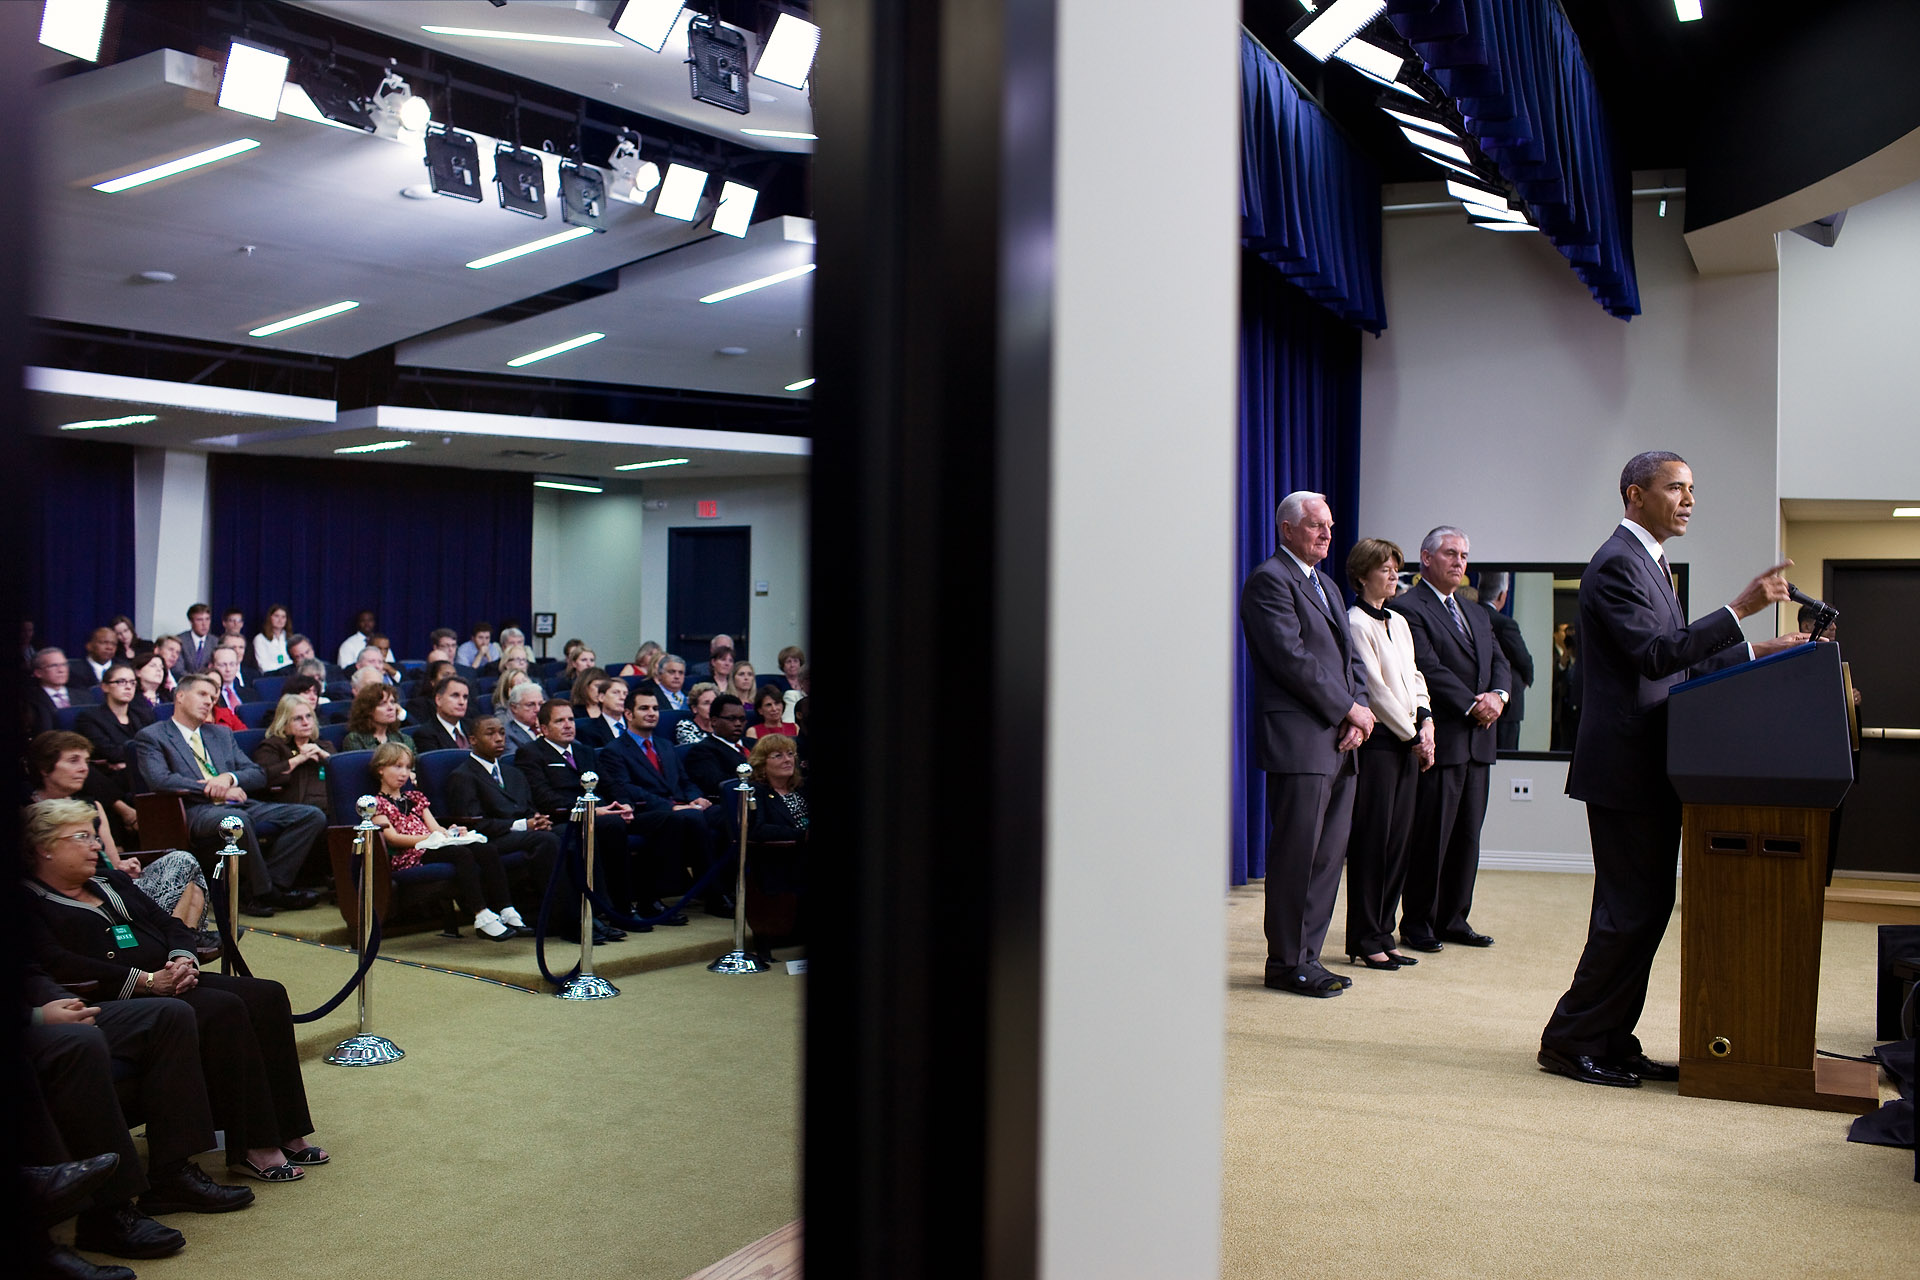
[1403, 1129]
[644, 1136]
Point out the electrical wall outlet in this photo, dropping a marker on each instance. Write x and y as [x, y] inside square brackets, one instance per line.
[1522, 789]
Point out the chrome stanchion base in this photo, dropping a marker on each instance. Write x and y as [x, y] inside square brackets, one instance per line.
[365, 1050]
[587, 986]
[737, 962]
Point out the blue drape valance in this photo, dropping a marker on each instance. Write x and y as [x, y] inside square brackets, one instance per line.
[1309, 204]
[1514, 69]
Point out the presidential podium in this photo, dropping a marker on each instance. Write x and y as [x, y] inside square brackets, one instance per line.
[1760, 753]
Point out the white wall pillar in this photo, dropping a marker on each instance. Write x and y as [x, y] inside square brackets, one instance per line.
[171, 515]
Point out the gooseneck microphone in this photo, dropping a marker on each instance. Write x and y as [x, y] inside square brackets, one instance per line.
[1800, 597]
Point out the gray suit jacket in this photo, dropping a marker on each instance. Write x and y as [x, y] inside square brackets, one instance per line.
[518, 735]
[167, 763]
[1306, 671]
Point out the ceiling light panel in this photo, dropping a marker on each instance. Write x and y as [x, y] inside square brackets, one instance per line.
[305, 317]
[648, 23]
[378, 446]
[801, 385]
[680, 192]
[74, 27]
[1336, 24]
[199, 158]
[568, 486]
[778, 277]
[527, 37]
[1371, 60]
[253, 81]
[657, 462]
[558, 348]
[735, 213]
[788, 56]
[131, 420]
[1906, 513]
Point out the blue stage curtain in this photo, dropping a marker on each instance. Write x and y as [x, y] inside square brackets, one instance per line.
[1515, 70]
[1309, 203]
[423, 547]
[80, 540]
[1299, 429]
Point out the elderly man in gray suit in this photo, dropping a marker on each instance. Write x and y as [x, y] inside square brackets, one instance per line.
[1310, 707]
[189, 754]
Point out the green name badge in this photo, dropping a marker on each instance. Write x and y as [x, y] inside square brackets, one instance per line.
[123, 936]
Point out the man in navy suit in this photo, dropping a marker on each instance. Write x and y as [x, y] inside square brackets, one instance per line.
[1635, 644]
[1468, 676]
[685, 829]
[1310, 708]
[553, 765]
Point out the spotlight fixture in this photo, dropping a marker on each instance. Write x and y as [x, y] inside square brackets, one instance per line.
[801, 385]
[521, 180]
[335, 98]
[141, 178]
[396, 107]
[252, 81]
[74, 27]
[735, 211]
[717, 65]
[378, 446]
[778, 277]
[583, 196]
[657, 462]
[97, 424]
[532, 246]
[453, 164]
[680, 192]
[787, 56]
[558, 348]
[1323, 31]
[1370, 60]
[648, 23]
[633, 178]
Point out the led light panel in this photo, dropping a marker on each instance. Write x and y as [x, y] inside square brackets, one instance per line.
[788, 56]
[680, 192]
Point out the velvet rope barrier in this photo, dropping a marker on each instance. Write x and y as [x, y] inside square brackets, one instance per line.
[230, 949]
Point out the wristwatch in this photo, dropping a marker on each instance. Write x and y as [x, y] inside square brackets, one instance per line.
[146, 980]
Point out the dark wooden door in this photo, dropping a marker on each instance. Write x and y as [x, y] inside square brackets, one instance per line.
[709, 588]
[1879, 635]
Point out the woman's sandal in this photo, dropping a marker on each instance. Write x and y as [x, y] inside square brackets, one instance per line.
[308, 1155]
[272, 1173]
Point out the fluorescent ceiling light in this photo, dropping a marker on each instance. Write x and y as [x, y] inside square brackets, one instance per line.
[657, 462]
[298, 103]
[788, 54]
[74, 26]
[557, 348]
[751, 285]
[531, 246]
[1336, 24]
[253, 80]
[647, 23]
[1688, 10]
[782, 133]
[1371, 60]
[1906, 513]
[1503, 226]
[735, 213]
[294, 322]
[570, 488]
[1419, 122]
[171, 167]
[478, 33]
[801, 385]
[135, 419]
[1438, 146]
[378, 446]
[680, 192]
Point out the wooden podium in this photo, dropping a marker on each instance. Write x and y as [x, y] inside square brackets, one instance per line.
[1761, 754]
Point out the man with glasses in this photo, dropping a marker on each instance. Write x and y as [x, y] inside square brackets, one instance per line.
[48, 694]
[713, 761]
[190, 755]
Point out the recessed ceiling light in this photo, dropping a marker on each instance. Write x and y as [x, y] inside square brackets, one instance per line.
[789, 51]
[782, 133]
[1438, 146]
[647, 23]
[131, 420]
[751, 285]
[557, 348]
[1336, 24]
[735, 213]
[1906, 513]
[74, 26]
[306, 317]
[657, 462]
[378, 446]
[253, 81]
[531, 246]
[1371, 61]
[142, 177]
[568, 485]
[478, 33]
[680, 192]
[801, 385]
[1688, 10]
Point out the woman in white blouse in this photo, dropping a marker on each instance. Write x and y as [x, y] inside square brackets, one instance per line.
[270, 645]
[1391, 759]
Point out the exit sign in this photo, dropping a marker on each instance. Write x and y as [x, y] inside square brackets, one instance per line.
[707, 509]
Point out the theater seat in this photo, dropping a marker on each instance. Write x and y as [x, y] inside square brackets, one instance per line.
[249, 740]
[349, 776]
[433, 769]
[484, 705]
[268, 687]
[163, 819]
[64, 718]
[257, 715]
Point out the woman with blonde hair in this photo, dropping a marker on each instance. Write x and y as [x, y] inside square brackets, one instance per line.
[293, 756]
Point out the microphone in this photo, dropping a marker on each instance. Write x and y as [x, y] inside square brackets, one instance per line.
[1800, 597]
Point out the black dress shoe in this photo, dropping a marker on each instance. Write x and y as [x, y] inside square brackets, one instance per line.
[188, 1189]
[61, 1190]
[1386, 966]
[1421, 944]
[660, 909]
[1467, 937]
[1646, 1068]
[125, 1232]
[294, 899]
[62, 1263]
[1305, 982]
[1578, 1066]
[257, 907]
[1400, 961]
[1315, 967]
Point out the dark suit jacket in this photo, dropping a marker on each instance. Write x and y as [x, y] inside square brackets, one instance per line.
[427, 734]
[473, 798]
[636, 782]
[190, 661]
[113, 741]
[1507, 632]
[1635, 644]
[167, 763]
[75, 942]
[553, 785]
[711, 764]
[80, 672]
[303, 785]
[1456, 672]
[592, 730]
[1306, 671]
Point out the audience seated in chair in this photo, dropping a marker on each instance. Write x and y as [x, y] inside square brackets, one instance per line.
[443, 644]
[363, 627]
[553, 766]
[496, 801]
[153, 680]
[446, 729]
[48, 692]
[601, 718]
[707, 670]
[407, 822]
[478, 650]
[698, 722]
[742, 683]
[685, 832]
[669, 677]
[270, 644]
[771, 708]
[93, 664]
[127, 642]
[522, 719]
[712, 761]
[226, 707]
[293, 757]
[643, 659]
[197, 642]
[374, 719]
[110, 727]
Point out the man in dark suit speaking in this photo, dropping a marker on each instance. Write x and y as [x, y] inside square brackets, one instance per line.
[1310, 708]
[1636, 643]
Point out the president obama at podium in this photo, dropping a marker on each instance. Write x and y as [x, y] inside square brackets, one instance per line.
[1636, 643]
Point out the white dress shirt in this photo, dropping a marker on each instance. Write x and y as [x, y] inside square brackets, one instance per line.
[350, 650]
[1652, 546]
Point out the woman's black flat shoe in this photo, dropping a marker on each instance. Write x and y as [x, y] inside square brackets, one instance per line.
[1387, 965]
[1400, 961]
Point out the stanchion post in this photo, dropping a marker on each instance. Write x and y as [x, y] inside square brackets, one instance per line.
[230, 828]
[737, 960]
[365, 1049]
[587, 985]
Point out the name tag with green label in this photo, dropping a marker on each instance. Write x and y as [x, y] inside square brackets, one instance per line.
[123, 936]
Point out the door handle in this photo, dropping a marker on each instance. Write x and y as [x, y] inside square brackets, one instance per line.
[1899, 735]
